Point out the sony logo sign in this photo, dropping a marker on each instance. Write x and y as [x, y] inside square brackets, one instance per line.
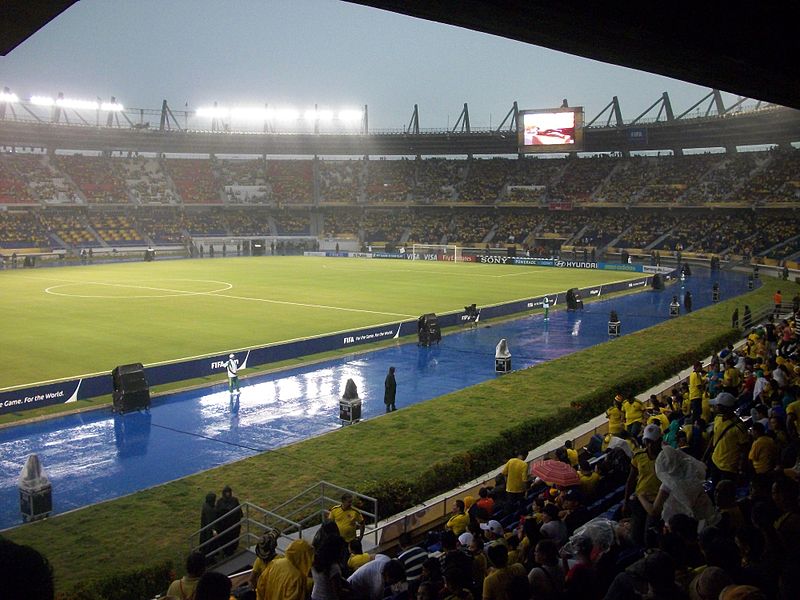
[499, 260]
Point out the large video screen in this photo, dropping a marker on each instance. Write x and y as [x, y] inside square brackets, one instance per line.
[551, 130]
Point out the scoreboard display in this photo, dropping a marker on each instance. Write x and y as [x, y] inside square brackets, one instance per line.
[550, 130]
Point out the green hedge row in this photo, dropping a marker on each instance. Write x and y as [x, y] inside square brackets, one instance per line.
[396, 495]
[135, 584]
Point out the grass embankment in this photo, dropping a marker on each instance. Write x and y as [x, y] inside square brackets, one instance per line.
[154, 524]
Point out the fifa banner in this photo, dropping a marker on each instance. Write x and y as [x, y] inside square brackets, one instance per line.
[92, 386]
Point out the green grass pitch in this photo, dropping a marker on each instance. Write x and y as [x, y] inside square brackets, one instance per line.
[64, 322]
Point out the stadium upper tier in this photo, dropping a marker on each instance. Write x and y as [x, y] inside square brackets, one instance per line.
[737, 179]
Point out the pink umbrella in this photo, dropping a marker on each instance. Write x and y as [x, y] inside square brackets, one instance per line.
[555, 472]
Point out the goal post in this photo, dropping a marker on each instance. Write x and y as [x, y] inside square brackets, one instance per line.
[448, 251]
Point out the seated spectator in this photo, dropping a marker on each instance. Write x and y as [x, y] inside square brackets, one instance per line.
[184, 588]
[553, 527]
[493, 531]
[589, 479]
[432, 576]
[485, 502]
[454, 589]
[501, 578]
[572, 454]
[459, 521]
[547, 579]
[358, 558]
[579, 582]
[412, 558]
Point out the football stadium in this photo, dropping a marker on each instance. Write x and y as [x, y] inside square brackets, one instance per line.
[256, 352]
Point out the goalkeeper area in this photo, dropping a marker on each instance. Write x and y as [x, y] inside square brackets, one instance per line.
[71, 321]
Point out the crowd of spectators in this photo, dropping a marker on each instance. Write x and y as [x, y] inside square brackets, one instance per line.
[389, 180]
[341, 181]
[470, 227]
[385, 225]
[430, 226]
[341, 223]
[22, 229]
[194, 180]
[69, 226]
[692, 494]
[100, 179]
[161, 225]
[115, 229]
[750, 179]
[292, 222]
[290, 181]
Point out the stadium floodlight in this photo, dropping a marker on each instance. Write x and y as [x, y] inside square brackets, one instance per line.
[215, 112]
[287, 114]
[8, 97]
[251, 113]
[42, 100]
[77, 104]
[350, 115]
[112, 107]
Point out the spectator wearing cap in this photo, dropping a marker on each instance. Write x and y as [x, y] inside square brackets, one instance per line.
[729, 440]
[633, 409]
[642, 482]
[460, 520]
[493, 531]
[265, 552]
[616, 418]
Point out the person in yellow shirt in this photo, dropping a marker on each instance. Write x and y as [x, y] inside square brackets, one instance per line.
[763, 454]
[358, 558]
[729, 440]
[459, 522]
[572, 454]
[697, 383]
[633, 408]
[642, 482]
[589, 479]
[347, 518]
[616, 418]
[516, 474]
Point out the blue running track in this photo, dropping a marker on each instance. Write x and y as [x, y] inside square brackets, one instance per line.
[95, 456]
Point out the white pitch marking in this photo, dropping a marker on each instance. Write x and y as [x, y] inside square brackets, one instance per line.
[172, 293]
[288, 303]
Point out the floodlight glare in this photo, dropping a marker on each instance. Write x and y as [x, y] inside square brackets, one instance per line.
[287, 114]
[77, 104]
[251, 113]
[215, 112]
[112, 107]
[325, 115]
[350, 115]
[5, 97]
[42, 100]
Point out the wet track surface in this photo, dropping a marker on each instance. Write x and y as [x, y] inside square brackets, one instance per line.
[95, 456]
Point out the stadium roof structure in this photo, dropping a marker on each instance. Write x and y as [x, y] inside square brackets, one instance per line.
[747, 49]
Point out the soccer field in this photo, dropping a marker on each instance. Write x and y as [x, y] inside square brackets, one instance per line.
[64, 322]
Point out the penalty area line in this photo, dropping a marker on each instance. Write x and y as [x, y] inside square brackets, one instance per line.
[306, 305]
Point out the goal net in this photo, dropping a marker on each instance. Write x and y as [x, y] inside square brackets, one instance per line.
[449, 252]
